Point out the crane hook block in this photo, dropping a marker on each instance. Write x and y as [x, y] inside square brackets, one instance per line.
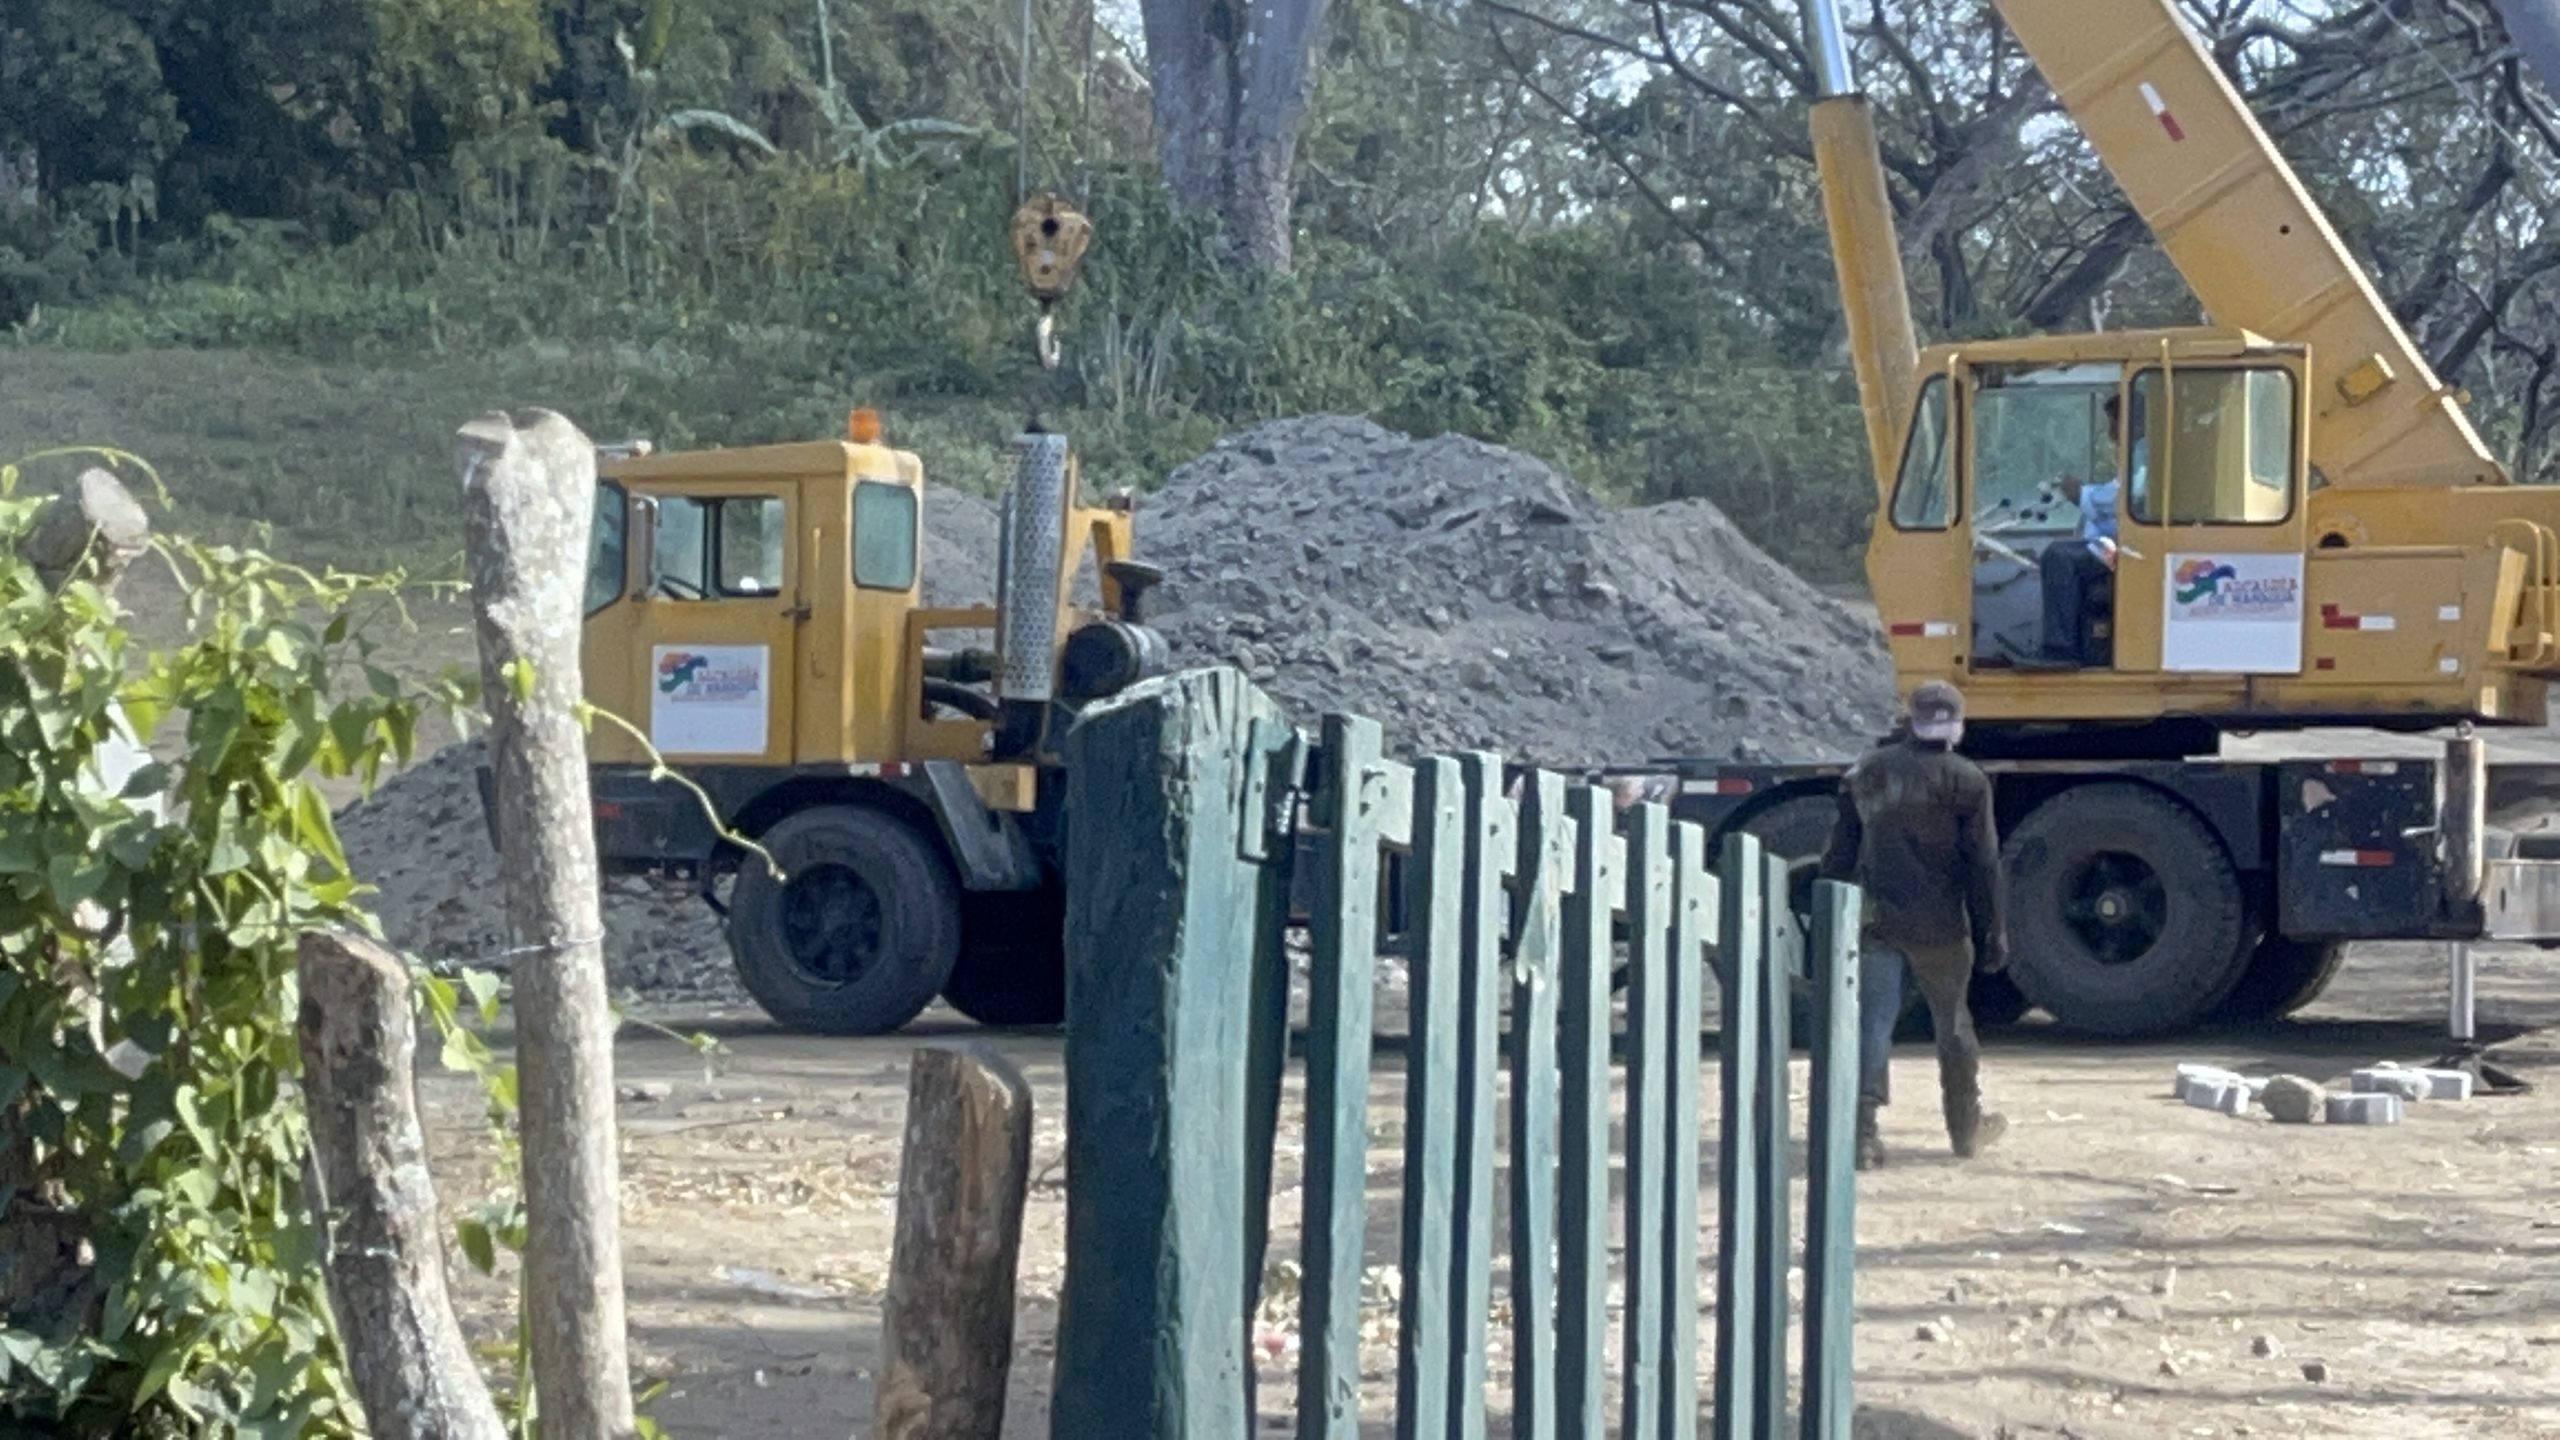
[1049, 239]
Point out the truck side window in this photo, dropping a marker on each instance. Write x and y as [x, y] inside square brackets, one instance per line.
[752, 545]
[2219, 441]
[884, 536]
[608, 547]
[1923, 492]
[684, 549]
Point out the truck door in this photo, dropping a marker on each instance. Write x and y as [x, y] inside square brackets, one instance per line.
[716, 624]
[1917, 560]
[2209, 580]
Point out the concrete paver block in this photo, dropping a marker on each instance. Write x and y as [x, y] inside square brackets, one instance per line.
[2230, 1097]
[2192, 1074]
[2391, 1080]
[2365, 1108]
[2447, 1084]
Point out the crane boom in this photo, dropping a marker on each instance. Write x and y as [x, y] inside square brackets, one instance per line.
[2253, 246]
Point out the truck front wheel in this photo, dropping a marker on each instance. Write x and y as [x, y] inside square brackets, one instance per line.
[2125, 915]
[858, 933]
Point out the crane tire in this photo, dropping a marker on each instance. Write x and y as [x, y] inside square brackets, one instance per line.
[2125, 913]
[2282, 977]
[858, 933]
[1012, 971]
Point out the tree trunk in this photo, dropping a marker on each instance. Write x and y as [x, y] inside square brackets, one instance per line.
[1232, 80]
[412, 1368]
[528, 492]
[947, 1332]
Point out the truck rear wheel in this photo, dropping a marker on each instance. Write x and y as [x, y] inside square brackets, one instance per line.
[2125, 915]
[1013, 960]
[860, 931]
[2283, 976]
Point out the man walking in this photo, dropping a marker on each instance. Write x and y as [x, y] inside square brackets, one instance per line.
[1915, 832]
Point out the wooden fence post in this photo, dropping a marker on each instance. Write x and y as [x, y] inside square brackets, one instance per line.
[1169, 787]
[1546, 861]
[1831, 1215]
[1649, 995]
[528, 484]
[1744, 1025]
[1343, 935]
[1582, 1208]
[377, 1206]
[1493, 850]
[946, 1331]
[1426, 1343]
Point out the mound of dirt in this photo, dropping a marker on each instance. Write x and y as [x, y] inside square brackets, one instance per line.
[1464, 596]
[1468, 597]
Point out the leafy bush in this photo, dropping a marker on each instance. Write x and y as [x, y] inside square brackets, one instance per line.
[147, 995]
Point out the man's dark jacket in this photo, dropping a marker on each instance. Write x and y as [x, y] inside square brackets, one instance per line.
[1915, 832]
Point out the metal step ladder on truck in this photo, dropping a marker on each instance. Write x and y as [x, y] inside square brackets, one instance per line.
[757, 614]
[2309, 535]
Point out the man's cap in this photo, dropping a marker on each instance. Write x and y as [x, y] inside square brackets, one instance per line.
[1937, 711]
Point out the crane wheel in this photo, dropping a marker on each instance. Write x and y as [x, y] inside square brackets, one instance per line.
[2125, 914]
[2283, 976]
[859, 932]
[1013, 960]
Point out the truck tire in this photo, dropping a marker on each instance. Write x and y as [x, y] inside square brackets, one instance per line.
[861, 931]
[2125, 915]
[1013, 961]
[2282, 977]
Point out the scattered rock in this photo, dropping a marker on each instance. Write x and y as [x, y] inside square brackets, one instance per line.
[2315, 1372]
[2292, 1100]
[1935, 1332]
[647, 1092]
[2265, 1347]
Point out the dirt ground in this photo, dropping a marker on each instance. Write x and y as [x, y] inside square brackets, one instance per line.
[2119, 1266]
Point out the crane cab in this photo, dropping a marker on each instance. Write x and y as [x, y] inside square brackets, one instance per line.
[2228, 589]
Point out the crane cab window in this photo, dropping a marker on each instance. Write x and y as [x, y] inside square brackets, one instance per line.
[2224, 442]
[734, 547]
[2032, 436]
[884, 536]
[1923, 494]
[608, 547]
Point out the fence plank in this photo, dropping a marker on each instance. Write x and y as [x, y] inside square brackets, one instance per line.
[1545, 849]
[1831, 1223]
[1772, 1166]
[1582, 1209]
[1267, 1035]
[1743, 936]
[1344, 936]
[1492, 856]
[1426, 1354]
[1151, 1325]
[1649, 925]
[1694, 903]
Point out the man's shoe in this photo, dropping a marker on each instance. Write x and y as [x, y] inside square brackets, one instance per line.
[1985, 1129]
[1870, 1139]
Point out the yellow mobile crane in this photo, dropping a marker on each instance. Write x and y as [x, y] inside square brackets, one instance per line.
[2308, 533]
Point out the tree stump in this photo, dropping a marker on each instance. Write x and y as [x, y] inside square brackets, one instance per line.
[947, 1332]
[412, 1368]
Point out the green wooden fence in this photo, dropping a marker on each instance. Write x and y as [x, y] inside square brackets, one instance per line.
[1192, 801]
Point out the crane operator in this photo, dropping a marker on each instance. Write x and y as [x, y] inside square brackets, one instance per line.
[2071, 568]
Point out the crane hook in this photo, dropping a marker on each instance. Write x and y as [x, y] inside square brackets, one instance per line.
[1050, 236]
